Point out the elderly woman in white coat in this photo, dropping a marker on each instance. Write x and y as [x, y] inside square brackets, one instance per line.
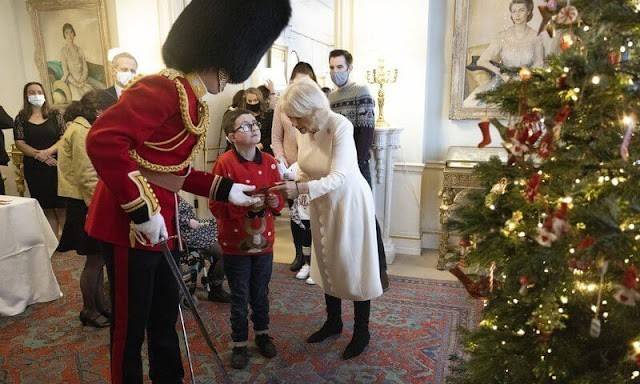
[342, 213]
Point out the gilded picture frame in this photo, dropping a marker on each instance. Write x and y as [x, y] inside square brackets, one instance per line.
[71, 43]
[278, 61]
[484, 28]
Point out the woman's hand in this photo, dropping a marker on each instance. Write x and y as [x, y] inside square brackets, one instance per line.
[291, 189]
[51, 161]
[40, 156]
[269, 85]
[273, 201]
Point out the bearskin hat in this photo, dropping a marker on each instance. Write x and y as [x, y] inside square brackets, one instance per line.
[225, 34]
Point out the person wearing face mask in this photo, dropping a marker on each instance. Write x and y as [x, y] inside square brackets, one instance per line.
[355, 102]
[37, 130]
[142, 149]
[6, 122]
[253, 102]
[285, 148]
[123, 69]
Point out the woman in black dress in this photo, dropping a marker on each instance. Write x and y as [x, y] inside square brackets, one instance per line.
[36, 131]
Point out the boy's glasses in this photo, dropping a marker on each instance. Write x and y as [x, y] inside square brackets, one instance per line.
[248, 127]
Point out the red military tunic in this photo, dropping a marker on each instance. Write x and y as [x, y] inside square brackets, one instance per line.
[145, 131]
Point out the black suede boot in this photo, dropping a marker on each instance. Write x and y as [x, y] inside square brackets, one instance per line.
[333, 324]
[361, 335]
[296, 233]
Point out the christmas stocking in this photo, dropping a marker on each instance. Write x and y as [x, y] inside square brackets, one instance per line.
[486, 134]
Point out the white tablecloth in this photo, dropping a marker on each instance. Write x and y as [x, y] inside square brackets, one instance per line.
[26, 245]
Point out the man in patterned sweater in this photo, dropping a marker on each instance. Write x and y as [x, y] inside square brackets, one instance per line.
[355, 102]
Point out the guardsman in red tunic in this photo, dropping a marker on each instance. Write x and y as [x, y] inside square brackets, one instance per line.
[142, 149]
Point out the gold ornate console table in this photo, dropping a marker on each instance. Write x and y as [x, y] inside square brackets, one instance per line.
[17, 158]
[458, 179]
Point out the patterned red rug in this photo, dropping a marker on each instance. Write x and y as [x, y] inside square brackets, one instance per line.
[414, 329]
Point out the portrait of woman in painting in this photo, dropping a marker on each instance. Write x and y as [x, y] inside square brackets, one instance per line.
[516, 46]
[74, 65]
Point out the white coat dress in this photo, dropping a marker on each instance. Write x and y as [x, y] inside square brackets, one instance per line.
[342, 212]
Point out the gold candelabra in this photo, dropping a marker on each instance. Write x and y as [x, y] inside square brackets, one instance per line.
[381, 76]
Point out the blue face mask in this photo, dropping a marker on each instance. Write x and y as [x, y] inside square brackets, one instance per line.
[340, 78]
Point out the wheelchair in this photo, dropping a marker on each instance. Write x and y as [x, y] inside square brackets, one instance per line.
[195, 263]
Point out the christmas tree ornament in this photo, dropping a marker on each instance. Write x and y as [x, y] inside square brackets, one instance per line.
[497, 190]
[559, 223]
[567, 15]
[627, 293]
[629, 123]
[464, 246]
[533, 185]
[562, 82]
[555, 226]
[614, 57]
[579, 264]
[484, 126]
[546, 13]
[525, 285]
[512, 224]
[546, 144]
[559, 120]
[594, 330]
[566, 41]
[585, 243]
[525, 74]
[545, 237]
[625, 55]
[477, 289]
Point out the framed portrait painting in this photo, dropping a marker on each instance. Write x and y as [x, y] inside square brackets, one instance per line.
[278, 57]
[492, 38]
[71, 38]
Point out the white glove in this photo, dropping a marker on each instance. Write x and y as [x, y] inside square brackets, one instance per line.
[238, 197]
[154, 230]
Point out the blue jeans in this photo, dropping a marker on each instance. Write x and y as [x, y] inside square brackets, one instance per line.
[248, 278]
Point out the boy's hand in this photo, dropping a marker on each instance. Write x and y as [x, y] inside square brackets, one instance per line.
[273, 201]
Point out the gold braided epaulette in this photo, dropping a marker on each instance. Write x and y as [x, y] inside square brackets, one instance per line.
[198, 130]
[144, 163]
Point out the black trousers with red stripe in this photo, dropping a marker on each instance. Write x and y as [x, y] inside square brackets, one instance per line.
[144, 298]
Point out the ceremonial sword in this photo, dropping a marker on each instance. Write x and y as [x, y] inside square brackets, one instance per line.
[177, 274]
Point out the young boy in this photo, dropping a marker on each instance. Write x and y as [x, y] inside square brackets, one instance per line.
[247, 234]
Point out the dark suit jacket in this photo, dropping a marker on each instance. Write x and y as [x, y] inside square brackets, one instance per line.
[113, 95]
[6, 122]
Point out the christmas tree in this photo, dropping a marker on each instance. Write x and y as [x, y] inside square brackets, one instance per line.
[557, 227]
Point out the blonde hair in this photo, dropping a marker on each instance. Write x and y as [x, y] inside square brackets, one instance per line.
[303, 98]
